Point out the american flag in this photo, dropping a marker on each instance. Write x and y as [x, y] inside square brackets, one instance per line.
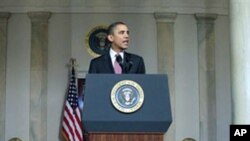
[72, 125]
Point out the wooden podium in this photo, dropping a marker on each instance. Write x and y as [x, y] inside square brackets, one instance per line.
[125, 137]
[105, 122]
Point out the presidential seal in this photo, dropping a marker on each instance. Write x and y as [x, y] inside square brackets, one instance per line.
[127, 96]
[96, 41]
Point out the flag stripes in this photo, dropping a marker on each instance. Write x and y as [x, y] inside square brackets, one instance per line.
[72, 125]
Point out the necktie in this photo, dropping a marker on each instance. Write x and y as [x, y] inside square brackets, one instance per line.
[117, 67]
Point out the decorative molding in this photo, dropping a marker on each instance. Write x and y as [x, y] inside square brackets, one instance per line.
[4, 16]
[38, 75]
[165, 17]
[39, 16]
[207, 75]
[204, 17]
[117, 10]
[117, 6]
[165, 54]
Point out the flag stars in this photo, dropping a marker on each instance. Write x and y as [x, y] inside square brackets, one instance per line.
[72, 96]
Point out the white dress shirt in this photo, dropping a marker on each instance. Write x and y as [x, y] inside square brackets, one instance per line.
[113, 54]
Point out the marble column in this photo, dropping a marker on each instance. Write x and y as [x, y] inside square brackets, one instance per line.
[38, 75]
[165, 53]
[240, 60]
[206, 54]
[3, 61]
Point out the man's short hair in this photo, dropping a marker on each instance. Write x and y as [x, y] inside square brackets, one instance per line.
[112, 27]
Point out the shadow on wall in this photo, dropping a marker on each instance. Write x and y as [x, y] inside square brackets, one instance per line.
[15, 139]
[188, 139]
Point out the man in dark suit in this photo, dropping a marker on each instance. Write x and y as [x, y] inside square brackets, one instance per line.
[116, 60]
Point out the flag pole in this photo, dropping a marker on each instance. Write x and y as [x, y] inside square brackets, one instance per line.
[72, 123]
[72, 62]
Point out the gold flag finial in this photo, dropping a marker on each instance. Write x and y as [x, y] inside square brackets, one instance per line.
[72, 62]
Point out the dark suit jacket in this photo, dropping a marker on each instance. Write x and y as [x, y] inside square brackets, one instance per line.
[131, 64]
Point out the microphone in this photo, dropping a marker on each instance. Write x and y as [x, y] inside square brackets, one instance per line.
[130, 64]
[127, 66]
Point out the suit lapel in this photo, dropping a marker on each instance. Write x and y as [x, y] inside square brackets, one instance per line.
[127, 62]
[108, 63]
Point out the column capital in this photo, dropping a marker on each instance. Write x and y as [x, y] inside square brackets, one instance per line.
[39, 16]
[4, 16]
[205, 18]
[165, 17]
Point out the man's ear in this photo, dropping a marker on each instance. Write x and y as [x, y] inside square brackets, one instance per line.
[110, 38]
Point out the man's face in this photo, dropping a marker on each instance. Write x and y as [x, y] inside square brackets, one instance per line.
[120, 38]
